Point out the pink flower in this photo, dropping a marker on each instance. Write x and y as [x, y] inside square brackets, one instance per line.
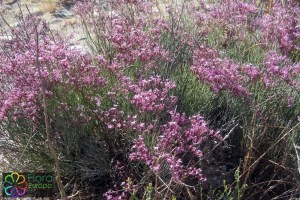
[220, 74]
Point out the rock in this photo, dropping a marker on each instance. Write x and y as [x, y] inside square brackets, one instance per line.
[63, 13]
[5, 7]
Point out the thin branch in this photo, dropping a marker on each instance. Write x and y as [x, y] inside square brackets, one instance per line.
[49, 141]
[271, 147]
[298, 158]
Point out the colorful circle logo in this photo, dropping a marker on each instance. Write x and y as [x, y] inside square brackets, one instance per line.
[14, 185]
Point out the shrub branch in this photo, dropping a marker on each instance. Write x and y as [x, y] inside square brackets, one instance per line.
[49, 141]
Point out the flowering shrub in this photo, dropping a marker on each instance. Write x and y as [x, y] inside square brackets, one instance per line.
[60, 65]
[117, 117]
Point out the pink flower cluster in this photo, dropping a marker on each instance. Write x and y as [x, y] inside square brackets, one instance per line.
[141, 152]
[224, 74]
[121, 34]
[133, 44]
[139, 125]
[114, 118]
[278, 69]
[253, 72]
[180, 136]
[276, 72]
[281, 26]
[231, 14]
[219, 73]
[153, 94]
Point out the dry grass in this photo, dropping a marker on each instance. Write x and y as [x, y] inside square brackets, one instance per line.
[48, 6]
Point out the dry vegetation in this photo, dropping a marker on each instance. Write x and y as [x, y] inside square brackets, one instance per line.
[48, 6]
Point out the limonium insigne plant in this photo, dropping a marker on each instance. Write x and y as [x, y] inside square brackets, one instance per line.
[174, 98]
